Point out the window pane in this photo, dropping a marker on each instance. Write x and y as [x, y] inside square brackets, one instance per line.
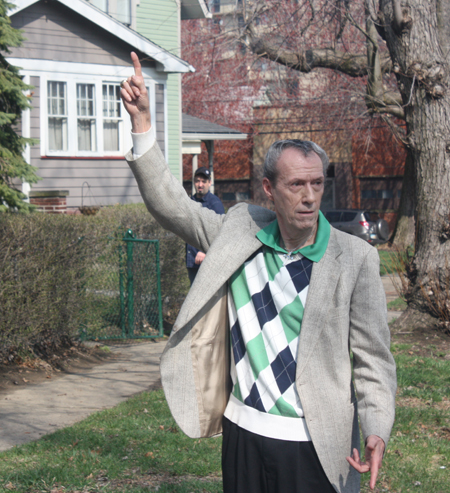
[123, 11]
[111, 135]
[85, 100]
[348, 216]
[86, 135]
[101, 4]
[57, 134]
[333, 216]
[56, 98]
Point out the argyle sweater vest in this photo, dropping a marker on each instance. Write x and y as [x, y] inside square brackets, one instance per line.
[268, 295]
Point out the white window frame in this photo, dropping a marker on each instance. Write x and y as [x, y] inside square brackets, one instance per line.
[72, 118]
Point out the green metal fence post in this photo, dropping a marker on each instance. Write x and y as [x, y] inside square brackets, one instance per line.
[121, 293]
[158, 277]
[130, 286]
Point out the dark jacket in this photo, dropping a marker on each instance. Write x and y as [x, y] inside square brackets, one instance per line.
[210, 201]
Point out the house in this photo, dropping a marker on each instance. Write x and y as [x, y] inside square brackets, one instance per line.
[75, 56]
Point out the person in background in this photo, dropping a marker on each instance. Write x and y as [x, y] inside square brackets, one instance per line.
[202, 184]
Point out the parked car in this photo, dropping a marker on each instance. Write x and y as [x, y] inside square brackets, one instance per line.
[359, 223]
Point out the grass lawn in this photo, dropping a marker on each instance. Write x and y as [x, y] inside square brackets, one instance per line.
[137, 447]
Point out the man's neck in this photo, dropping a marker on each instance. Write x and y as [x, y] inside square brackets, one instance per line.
[298, 239]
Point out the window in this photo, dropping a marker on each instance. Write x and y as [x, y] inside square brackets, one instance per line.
[348, 217]
[333, 216]
[215, 6]
[57, 116]
[119, 9]
[84, 119]
[377, 194]
[111, 116]
[86, 123]
[228, 196]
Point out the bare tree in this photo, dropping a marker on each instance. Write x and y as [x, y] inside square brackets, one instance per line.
[399, 49]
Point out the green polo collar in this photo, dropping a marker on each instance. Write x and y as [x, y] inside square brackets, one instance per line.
[270, 236]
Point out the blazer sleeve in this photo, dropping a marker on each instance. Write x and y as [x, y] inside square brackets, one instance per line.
[373, 364]
[169, 203]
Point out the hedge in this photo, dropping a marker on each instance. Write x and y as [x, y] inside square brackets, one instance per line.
[44, 263]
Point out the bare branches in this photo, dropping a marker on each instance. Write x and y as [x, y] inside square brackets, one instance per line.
[388, 103]
[354, 65]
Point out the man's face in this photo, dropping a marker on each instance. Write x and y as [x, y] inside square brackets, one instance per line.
[201, 184]
[298, 191]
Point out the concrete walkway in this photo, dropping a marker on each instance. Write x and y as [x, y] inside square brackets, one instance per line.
[28, 413]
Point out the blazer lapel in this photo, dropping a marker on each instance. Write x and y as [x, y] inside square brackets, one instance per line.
[324, 278]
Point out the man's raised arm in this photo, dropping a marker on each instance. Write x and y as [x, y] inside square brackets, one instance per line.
[163, 194]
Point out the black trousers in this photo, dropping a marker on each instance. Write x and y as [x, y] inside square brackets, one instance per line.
[255, 464]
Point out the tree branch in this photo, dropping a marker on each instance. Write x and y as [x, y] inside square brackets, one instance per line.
[388, 103]
[354, 65]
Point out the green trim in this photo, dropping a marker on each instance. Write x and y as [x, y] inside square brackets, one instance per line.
[270, 236]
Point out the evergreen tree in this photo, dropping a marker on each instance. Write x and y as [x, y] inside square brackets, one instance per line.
[13, 167]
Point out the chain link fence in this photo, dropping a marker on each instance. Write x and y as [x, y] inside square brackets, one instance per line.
[123, 290]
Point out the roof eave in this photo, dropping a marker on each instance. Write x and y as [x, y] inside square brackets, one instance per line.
[211, 136]
[166, 61]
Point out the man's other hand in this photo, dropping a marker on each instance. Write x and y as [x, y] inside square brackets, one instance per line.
[135, 98]
[373, 458]
[199, 258]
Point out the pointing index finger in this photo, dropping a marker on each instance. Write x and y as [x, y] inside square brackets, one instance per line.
[136, 64]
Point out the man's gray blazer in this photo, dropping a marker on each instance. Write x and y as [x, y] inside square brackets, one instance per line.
[344, 324]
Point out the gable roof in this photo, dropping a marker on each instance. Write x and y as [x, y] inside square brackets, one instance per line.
[168, 61]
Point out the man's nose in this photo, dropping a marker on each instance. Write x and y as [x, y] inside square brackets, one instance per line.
[308, 194]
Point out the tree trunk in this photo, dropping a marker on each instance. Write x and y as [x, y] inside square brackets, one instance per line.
[423, 79]
[403, 235]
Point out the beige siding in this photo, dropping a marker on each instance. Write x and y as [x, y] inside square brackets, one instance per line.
[106, 182]
[54, 32]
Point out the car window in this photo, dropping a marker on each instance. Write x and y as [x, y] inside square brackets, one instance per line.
[333, 216]
[367, 216]
[348, 216]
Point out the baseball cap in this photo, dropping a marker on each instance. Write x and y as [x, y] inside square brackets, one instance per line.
[204, 172]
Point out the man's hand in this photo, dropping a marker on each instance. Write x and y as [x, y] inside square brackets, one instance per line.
[199, 258]
[135, 98]
[373, 458]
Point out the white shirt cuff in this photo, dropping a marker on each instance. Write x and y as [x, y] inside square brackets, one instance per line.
[143, 142]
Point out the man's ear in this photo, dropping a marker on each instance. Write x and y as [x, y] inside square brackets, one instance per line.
[267, 186]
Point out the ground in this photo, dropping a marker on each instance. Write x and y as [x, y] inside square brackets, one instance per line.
[424, 342]
[64, 359]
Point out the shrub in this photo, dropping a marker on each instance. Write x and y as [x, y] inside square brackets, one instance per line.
[46, 262]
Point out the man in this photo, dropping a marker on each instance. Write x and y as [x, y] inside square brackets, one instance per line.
[202, 184]
[305, 310]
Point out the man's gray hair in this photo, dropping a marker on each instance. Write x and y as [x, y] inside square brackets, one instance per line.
[277, 148]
